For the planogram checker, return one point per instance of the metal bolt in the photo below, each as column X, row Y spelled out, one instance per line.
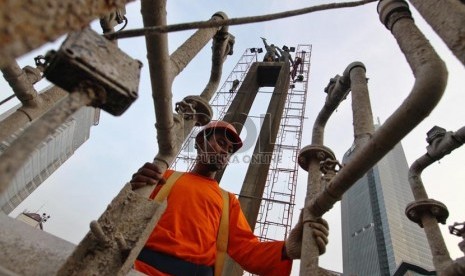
column 97, row 230
column 413, row 214
column 121, row 242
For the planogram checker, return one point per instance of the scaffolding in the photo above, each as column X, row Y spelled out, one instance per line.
column 275, row 217
column 277, row 207
column 220, row 104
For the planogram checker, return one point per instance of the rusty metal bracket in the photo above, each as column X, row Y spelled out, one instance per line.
column 314, row 151
column 195, row 108
column 415, row 210
column 86, row 55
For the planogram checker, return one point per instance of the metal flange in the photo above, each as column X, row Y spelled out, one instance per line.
column 195, row 108
column 310, row 152
column 415, row 210
column 392, row 10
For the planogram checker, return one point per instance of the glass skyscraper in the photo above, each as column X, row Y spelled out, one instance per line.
column 48, row 156
column 377, row 237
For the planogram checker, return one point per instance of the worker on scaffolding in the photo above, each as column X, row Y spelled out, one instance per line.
column 234, row 86
column 192, row 237
column 271, row 52
column 295, row 67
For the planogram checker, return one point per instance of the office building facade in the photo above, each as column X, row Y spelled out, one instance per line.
column 48, row 156
column 377, row 237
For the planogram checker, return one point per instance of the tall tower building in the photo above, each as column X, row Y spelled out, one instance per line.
column 377, row 237
column 47, row 157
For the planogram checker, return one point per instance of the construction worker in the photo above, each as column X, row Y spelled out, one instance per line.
column 187, row 239
column 295, row 66
column 234, row 86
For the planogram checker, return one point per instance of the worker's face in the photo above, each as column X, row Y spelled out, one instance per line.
column 215, row 151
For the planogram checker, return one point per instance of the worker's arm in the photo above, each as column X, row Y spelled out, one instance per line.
column 263, row 258
column 148, row 174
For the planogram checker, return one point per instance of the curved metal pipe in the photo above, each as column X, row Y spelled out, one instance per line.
column 337, row 90
column 353, row 79
column 438, row 148
column 361, row 106
column 430, row 81
column 189, row 49
column 223, row 43
column 447, row 18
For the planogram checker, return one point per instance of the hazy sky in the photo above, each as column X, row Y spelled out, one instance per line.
column 81, row 189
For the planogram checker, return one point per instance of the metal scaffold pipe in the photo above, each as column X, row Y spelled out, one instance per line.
column 428, row 212
column 311, row 158
column 430, row 81
column 154, row 13
column 447, row 18
column 222, row 46
column 361, row 106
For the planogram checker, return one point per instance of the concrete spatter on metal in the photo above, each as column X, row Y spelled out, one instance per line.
column 123, row 224
column 447, row 18
column 26, row 25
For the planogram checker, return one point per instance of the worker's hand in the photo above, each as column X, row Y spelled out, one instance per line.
column 294, row 241
column 149, row 174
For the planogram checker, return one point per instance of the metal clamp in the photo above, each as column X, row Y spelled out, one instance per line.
column 415, row 210
column 195, row 108
column 319, row 152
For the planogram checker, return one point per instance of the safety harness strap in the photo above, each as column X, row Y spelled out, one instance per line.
column 166, row 188
column 223, row 234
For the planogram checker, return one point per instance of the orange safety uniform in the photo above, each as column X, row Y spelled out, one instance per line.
column 189, row 226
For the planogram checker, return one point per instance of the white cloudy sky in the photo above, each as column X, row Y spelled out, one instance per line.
column 80, row 190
